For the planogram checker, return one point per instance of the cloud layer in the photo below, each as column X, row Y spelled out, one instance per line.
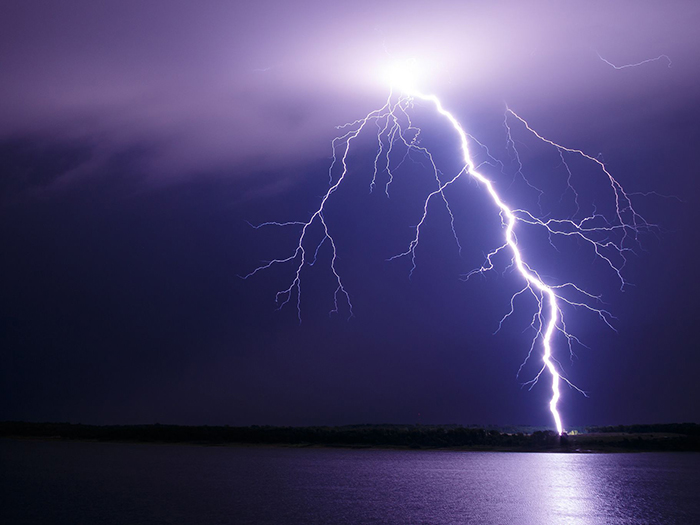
column 208, row 86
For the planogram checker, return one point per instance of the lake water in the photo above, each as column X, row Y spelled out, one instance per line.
column 104, row 483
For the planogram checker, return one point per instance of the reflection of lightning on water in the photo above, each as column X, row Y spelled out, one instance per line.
column 609, row 238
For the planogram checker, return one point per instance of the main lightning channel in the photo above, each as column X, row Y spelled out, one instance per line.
column 530, row 277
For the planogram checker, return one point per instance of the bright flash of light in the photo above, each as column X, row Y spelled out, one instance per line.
column 608, row 238
column 403, row 76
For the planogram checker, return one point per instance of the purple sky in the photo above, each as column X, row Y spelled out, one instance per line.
column 138, row 137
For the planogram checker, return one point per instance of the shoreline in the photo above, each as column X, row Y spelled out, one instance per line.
column 454, row 438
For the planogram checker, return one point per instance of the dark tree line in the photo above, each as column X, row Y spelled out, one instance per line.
column 675, row 437
column 686, row 429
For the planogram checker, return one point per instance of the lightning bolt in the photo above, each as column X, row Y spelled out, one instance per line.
column 635, row 64
column 609, row 238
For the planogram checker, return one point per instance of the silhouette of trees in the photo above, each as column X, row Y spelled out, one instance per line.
column 685, row 436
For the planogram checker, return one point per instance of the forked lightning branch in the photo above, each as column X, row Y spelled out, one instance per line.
column 608, row 238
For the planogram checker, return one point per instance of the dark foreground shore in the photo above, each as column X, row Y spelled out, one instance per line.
column 642, row 438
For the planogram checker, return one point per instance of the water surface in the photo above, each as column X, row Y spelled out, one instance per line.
column 106, row 483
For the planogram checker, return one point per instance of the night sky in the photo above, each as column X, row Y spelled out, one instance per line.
column 138, row 138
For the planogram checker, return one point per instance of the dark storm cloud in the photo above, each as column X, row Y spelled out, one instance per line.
column 208, row 84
